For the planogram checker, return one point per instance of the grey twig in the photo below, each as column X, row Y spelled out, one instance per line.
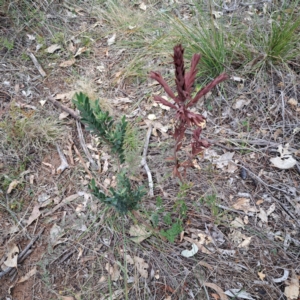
column 144, row 163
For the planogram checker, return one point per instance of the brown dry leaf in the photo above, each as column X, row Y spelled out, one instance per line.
column 198, row 244
column 293, row 102
column 80, row 51
column 291, row 291
column 68, row 63
column 138, row 233
column 217, row 289
column 35, row 214
column 277, row 133
column 12, row 186
column 261, row 275
column 141, row 266
column 114, row 271
column 12, row 256
column 244, row 205
column 215, row 296
column 28, row 275
column 259, row 202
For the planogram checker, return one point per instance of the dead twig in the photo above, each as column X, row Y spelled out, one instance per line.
column 144, row 163
column 24, row 252
column 84, row 147
column 37, row 64
column 70, row 111
column 64, row 164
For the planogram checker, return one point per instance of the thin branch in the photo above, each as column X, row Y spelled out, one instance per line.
column 37, row 64
column 144, row 163
column 84, row 147
column 70, row 111
column 64, row 163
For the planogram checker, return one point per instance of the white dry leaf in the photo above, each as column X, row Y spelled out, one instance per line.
column 53, row 48
column 223, row 160
column 12, row 256
column 143, row 6
column 42, row 102
column 190, row 253
column 80, row 51
column 271, row 209
column 237, row 223
column 217, row 14
column 131, row 27
column 67, row 63
column 141, row 266
column 152, row 117
column 63, row 115
column 31, row 37
column 285, row 160
column 12, row 186
column 28, row 275
column 111, row 40
column 239, row 294
column 68, row 95
column 129, row 259
column 238, row 79
column 138, row 233
column 163, row 106
column 245, row 243
column 211, row 155
column 291, row 291
column 240, row 103
column 286, row 163
column 55, row 233
column 101, row 68
column 263, row 215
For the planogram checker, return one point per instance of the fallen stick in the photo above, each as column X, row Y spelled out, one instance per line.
column 70, row 111
column 84, row 147
column 144, row 163
column 64, row 164
column 23, row 253
column 37, row 65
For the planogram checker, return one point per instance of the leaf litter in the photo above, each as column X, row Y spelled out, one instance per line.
column 224, row 218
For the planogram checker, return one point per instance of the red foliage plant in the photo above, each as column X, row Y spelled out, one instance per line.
column 183, row 100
